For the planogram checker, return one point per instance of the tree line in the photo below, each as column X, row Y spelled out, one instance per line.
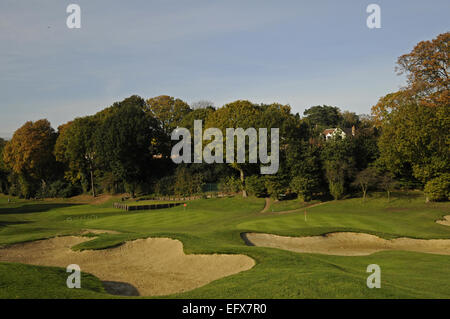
column 126, row 147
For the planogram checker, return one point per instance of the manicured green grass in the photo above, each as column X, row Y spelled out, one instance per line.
column 410, row 217
column 26, row 281
column 288, row 205
column 215, row 225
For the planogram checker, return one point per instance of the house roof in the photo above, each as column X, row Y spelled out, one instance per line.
column 329, row 131
column 347, row 131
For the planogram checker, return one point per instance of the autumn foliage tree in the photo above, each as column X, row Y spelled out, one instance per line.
column 4, row 171
column 415, row 121
column 30, row 155
column 427, row 70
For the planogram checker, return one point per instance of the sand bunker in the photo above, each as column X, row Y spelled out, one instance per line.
column 98, row 231
column 153, row 266
column 348, row 244
column 445, row 221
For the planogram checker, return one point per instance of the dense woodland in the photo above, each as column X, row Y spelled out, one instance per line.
column 403, row 144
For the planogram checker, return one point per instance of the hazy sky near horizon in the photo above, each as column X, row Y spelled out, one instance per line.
column 301, row 53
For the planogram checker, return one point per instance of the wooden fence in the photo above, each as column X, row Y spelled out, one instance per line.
column 185, row 198
column 180, row 201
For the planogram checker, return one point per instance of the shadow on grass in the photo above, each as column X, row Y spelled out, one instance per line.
column 120, row 288
column 5, row 223
column 32, row 208
column 247, row 241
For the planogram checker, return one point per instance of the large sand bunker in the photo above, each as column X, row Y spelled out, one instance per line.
column 153, row 266
column 445, row 221
column 348, row 244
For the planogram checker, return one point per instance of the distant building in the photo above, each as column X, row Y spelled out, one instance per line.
column 335, row 132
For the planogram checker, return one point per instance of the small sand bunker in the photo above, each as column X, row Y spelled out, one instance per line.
column 98, row 231
column 348, row 244
column 445, row 221
column 154, row 266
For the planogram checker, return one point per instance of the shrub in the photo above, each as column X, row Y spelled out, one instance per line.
column 255, row 185
column 336, row 189
column 275, row 186
column 438, row 189
column 230, row 184
column 187, row 183
column 165, row 186
column 108, row 183
column 57, row 188
column 303, row 187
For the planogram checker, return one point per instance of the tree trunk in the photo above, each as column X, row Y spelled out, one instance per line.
column 244, row 192
column 133, row 190
column 92, row 183
column 43, row 187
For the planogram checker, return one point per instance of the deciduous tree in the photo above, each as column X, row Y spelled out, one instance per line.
column 30, row 153
column 365, row 179
column 75, row 147
column 168, row 110
column 125, row 142
column 415, row 121
column 427, row 70
column 4, row 171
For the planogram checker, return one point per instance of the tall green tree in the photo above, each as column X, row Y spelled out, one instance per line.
column 168, row 110
column 126, row 142
column 339, row 165
column 244, row 114
column 237, row 114
column 303, row 161
column 413, row 138
column 170, row 113
column 323, row 116
column 75, row 147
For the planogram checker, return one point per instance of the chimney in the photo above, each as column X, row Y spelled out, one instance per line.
column 353, row 130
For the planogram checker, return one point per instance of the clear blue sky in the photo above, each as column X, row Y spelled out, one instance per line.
column 301, row 53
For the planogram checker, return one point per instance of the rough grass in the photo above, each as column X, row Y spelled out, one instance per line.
column 215, row 225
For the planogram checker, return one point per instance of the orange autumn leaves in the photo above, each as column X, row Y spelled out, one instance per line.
column 427, row 71
column 30, row 151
